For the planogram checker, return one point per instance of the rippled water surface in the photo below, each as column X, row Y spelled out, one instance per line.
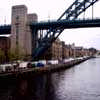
column 81, row 82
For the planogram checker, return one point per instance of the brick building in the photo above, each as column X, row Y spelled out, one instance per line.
column 80, row 52
column 59, row 50
column 66, row 50
column 54, row 52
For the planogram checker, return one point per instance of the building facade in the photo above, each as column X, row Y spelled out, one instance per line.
column 54, row 52
column 59, row 50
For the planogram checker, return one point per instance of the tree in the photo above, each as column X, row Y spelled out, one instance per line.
column 93, row 51
column 2, row 56
column 14, row 56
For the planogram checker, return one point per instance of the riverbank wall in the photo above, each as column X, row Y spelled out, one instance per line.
column 60, row 66
column 29, row 72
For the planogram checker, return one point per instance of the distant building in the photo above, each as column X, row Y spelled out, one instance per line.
column 78, row 51
column 59, row 50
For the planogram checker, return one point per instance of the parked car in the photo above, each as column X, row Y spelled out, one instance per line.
column 2, row 68
column 34, row 64
column 23, row 64
column 39, row 64
column 43, row 62
column 66, row 60
column 6, row 67
column 52, row 61
column 29, row 65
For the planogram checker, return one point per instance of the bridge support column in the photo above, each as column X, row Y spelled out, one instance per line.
column 18, row 29
column 21, row 34
column 34, row 39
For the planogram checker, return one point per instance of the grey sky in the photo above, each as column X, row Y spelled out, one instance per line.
column 52, row 9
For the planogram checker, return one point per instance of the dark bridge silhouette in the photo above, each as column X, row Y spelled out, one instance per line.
column 66, row 24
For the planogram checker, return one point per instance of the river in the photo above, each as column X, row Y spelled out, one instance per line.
column 81, row 82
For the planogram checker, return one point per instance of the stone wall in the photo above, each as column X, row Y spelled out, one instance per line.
column 21, row 34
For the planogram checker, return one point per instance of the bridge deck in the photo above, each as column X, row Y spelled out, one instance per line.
column 67, row 24
column 5, row 29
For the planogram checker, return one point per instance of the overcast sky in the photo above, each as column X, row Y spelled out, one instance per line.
column 52, row 9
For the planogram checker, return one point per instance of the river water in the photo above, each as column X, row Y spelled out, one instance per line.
column 81, row 82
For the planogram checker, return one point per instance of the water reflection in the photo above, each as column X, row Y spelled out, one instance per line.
column 80, row 82
column 38, row 87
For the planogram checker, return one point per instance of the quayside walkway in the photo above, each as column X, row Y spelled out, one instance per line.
column 40, row 70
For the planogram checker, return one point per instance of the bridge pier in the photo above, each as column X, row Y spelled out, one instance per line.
column 21, row 34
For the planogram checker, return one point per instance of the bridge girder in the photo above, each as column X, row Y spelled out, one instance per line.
column 78, row 7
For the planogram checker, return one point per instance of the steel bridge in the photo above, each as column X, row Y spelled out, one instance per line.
column 69, row 19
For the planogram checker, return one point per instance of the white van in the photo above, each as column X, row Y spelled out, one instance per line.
column 6, row 67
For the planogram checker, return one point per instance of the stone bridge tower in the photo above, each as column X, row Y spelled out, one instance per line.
column 21, row 34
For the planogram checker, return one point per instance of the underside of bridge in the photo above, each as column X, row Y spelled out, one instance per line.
column 5, row 29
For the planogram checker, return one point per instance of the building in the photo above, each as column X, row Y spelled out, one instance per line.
column 66, row 50
column 54, row 52
column 78, row 51
column 57, row 49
